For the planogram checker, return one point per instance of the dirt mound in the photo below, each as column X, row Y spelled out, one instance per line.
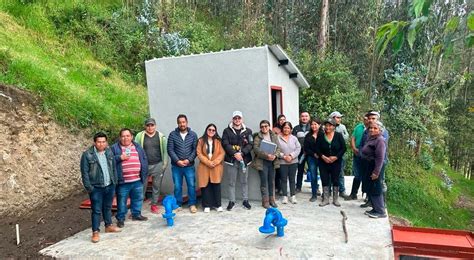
column 39, row 160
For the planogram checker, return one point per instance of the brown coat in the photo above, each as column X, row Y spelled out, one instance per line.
column 204, row 170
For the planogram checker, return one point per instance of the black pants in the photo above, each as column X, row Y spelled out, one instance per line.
column 299, row 175
column 211, row 195
column 369, row 186
column 330, row 173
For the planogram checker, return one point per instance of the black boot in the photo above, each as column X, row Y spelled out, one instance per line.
column 354, row 190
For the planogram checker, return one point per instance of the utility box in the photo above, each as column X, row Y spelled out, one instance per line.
column 262, row 82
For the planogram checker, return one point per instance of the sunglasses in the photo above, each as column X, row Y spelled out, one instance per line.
column 211, row 130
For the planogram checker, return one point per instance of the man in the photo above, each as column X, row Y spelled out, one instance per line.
column 99, row 179
column 372, row 117
column 340, row 128
column 356, row 163
column 181, row 147
column 132, row 169
column 154, row 143
column 237, row 141
column 300, row 132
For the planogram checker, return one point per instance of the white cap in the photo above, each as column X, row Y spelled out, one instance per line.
column 236, row 113
column 335, row 114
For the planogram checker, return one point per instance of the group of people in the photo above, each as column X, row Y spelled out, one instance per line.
column 279, row 154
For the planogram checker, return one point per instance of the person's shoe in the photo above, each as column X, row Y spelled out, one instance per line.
column 154, row 209
column 351, row 197
column 325, row 201
column 367, row 204
column 246, row 204
column 231, row 205
column 284, row 200
column 112, row 229
column 298, row 190
column 220, row 209
column 120, row 224
column 367, row 212
column 293, row 199
column 313, row 198
column 95, row 237
column 377, row 215
column 344, row 195
column 265, row 202
column 139, row 218
column 193, row 209
column 207, row 210
column 318, row 192
column 178, row 209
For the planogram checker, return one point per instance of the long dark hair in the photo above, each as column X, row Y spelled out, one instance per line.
column 277, row 123
column 316, row 120
column 204, row 137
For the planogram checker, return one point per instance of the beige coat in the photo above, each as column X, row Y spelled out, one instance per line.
column 204, row 170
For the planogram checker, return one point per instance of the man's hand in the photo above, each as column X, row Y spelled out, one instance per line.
column 356, row 151
column 238, row 156
column 212, row 164
column 180, row 163
column 186, row 162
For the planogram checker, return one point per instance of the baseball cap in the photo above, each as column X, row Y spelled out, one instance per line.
column 330, row 121
column 335, row 114
column 150, row 121
column 373, row 112
column 236, row 113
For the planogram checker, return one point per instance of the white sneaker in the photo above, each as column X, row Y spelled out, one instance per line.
column 207, row 210
column 284, row 200
column 293, row 199
column 220, row 209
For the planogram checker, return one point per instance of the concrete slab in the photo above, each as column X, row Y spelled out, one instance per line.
column 312, row 232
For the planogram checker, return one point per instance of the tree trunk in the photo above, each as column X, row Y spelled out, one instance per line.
column 323, row 28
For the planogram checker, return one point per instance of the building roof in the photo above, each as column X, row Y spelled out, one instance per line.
column 293, row 72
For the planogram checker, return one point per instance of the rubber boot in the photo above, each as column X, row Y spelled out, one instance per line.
column 354, row 190
column 335, row 197
column 325, row 201
column 265, row 202
column 272, row 202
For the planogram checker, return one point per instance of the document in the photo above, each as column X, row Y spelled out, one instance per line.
column 268, row 147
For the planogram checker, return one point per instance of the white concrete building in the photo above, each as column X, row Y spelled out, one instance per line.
column 262, row 82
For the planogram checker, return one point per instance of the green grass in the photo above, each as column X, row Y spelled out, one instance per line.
column 420, row 196
column 76, row 89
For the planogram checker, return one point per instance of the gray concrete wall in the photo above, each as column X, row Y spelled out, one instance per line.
column 277, row 76
column 207, row 88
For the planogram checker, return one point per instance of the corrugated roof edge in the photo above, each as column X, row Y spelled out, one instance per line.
column 276, row 50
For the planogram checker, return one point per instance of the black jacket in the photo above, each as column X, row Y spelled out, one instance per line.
column 234, row 143
column 300, row 132
column 91, row 171
column 337, row 147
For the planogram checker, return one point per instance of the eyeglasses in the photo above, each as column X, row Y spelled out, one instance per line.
column 264, row 126
column 237, row 118
column 211, row 130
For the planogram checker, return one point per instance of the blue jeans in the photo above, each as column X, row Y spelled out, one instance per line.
column 135, row 190
column 101, row 202
column 190, row 176
column 313, row 168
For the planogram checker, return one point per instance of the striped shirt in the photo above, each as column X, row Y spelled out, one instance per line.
column 131, row 167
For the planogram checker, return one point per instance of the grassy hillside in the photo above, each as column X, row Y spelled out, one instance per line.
column 76, row 89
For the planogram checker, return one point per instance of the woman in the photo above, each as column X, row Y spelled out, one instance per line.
column 290, row 149
column 210, row 169
column 265, row 162
column 277, row 130
column 372, row 155
column 330, row 147
column 310, row 150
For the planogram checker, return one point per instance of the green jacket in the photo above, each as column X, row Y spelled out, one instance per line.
column 163, row 144
column 257, row 162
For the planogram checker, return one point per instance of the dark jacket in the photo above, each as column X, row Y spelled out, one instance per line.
column 234, row 143
column 91, row 171
column 337, row 147
column 300, row 132
column 260, row 155
column 310, row 144
column 179, row 149
column 118, row 161
column 374, row 151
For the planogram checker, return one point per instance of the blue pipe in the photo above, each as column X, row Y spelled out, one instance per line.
column 273, row 218
column 170, row 204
